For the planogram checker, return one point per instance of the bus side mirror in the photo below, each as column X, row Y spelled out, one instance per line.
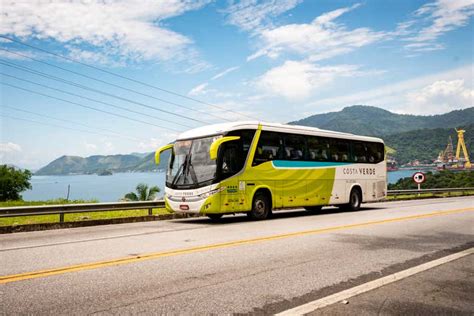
column 160, row 150
column 215, row 145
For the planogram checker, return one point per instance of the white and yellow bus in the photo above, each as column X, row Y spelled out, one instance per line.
column 254, row 168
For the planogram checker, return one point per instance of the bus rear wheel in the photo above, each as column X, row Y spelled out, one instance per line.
column 260, row 207
column 215, row 217
column 355, row 199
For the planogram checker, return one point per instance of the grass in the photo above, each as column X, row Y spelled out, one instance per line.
column 47, row 202
column 427, row 195
column 77, row 217
column 74, row 217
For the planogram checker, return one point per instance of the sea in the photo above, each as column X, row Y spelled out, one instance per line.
column 112, row 188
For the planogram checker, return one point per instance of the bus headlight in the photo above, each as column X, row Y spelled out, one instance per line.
column 212, row 192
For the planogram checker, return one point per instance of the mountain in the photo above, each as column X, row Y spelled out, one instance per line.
column 373, row 121
column 425, row 144
column 148, row 162
column 94, row 164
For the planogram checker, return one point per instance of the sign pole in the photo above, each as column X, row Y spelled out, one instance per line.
column 419, row 177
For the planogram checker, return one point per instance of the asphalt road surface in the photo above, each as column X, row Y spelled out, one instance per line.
column 194, row 266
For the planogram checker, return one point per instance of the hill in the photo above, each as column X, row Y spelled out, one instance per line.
column 94, row 164
column 373, row 121
column 425, row 144
column 148, row 163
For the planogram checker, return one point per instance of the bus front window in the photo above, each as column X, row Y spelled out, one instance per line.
column 190, row 164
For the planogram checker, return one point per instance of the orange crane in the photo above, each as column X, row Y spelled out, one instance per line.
column 462, row 144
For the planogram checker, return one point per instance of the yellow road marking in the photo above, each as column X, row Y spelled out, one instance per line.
column 156, row 255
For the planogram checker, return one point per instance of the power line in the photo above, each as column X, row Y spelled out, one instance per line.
column 72, row 122
column 54, row 125
column 90, row 99
column 115, row 85
column 39, row 73
column 88, row 107
column 124, row 77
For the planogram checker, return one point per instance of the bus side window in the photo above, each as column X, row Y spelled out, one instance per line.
column 318, row 148
column 294, row 147
column 359, row 152
column 233, row 154
column 343, row 150
column 230, row 159
column 268, row 148
column 375, row 152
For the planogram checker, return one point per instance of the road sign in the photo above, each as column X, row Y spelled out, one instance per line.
column 419, row 177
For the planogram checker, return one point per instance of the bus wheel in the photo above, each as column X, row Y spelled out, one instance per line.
column 313, row 209
column 215, row 217
column 260, row 207
column 355, row 199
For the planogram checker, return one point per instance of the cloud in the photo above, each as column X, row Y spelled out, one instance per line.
column 199, row 89
column 225, row 72
column 297, row 80
column 442, row 16
column 127, row 30
column 90, row 147
column 441, row 96
column 321, row 39
column 410, row 96
column 253, row 15
column 9, row 147
column 154, row 143
column 10, row 153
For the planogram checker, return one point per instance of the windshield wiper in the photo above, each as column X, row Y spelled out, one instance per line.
column 180, row 171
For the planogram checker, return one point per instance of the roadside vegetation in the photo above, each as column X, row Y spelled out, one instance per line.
column 143, row 193
column 47, row 202
column 442, row 179
column 12, row 182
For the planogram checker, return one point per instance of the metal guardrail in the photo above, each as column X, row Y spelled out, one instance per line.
column 414, row 191
column 79, row 208
column 140, row 205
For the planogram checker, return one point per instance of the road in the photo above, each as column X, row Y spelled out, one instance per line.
column 194, row 266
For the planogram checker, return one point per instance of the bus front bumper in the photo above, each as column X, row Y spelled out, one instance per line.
column 192, row 201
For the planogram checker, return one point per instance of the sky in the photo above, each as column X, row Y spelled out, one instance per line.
column 107, row 77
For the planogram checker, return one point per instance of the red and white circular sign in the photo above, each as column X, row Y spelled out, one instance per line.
column 419, row 177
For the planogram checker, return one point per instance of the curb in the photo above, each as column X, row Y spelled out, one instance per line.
column 96, row 222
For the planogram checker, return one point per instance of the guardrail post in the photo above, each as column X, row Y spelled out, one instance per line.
column 61, row 217
column 150, row 212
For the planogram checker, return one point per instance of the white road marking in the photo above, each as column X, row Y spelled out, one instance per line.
column 344, row 295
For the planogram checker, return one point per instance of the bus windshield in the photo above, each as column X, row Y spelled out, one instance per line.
column 190, row 164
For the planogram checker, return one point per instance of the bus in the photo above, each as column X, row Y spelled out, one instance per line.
column 256, row 167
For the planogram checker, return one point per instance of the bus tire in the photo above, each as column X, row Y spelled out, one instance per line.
column 355, row 199
column 261, row 208
column 214, row 217
column 313, row 209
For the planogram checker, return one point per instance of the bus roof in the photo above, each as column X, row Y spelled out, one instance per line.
column 216, row 129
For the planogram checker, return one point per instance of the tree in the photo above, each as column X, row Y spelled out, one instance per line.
column 142, row 193
column 13, row 182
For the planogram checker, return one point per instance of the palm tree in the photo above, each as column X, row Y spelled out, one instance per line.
column 142, row 193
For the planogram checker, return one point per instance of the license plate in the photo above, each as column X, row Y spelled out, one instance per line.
column 184, row 207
